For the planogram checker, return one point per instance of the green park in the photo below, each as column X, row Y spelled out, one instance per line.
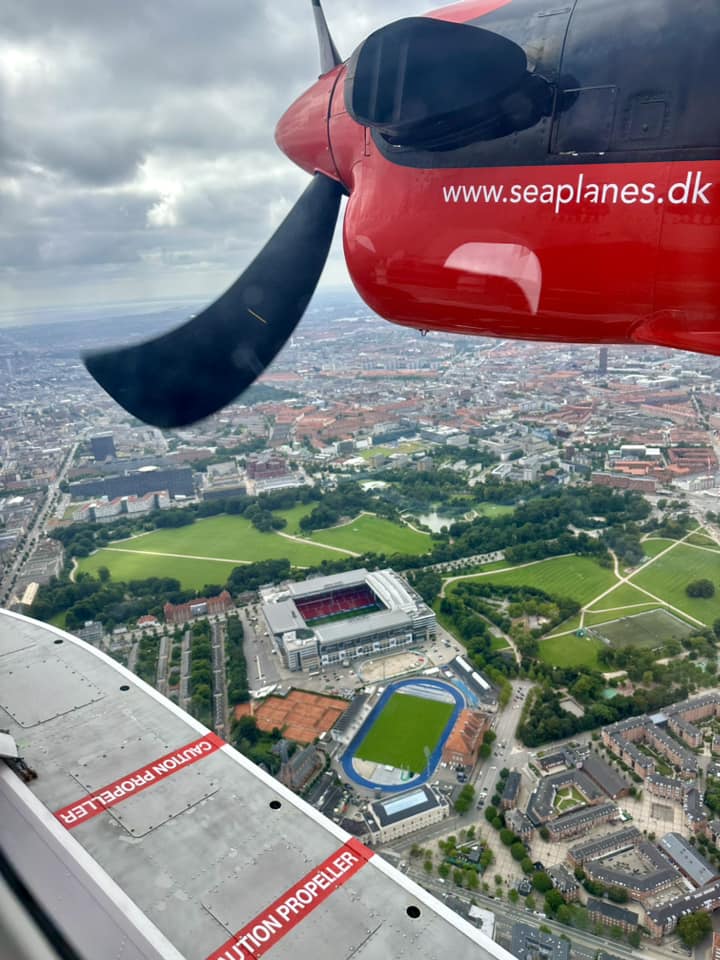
column 207, row 551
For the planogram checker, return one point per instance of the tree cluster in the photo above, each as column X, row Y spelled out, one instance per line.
column 235, row 663
column 694, row 927
column 465, row 799
column 700, row 588
column 256, row 744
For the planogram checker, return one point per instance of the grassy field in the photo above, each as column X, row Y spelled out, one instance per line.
column 408, row 448
column 702, row 540
column 579, row 578
column 571, row 651
column 208, row 549
column 485, row 509
column 367, row 534
column 624, row 595
column 647, row 629
column 498, row 643
column 593, row 619
column 192, row 574
column 655, row 546
column 293, row 516
column 405, row 727
column 668, row 577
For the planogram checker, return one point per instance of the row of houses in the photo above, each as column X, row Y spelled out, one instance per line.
column 625, row 738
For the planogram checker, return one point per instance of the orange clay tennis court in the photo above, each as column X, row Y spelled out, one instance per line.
column 301, row 716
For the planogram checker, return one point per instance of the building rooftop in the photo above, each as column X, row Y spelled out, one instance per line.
column 609, row 842
column 692, row 864
column 529, row 943
column 605, row 776
column 403, row 805
column 512, row 786
column 612, row 911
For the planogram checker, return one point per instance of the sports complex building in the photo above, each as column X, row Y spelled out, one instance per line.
column 326, row 621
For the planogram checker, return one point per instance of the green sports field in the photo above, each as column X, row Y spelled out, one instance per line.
column 369, row 534
column 592, row 619
column 405, row 727
column 648, row 629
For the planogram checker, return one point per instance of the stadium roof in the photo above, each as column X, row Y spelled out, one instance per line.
column 336, row 581
column 349, row 629
column 283, row 616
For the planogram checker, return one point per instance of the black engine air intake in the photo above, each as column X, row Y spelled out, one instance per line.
column 419, row 81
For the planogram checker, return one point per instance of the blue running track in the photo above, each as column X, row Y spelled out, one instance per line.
column 349, row 755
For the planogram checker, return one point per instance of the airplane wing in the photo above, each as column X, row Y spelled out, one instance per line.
column 145, row 835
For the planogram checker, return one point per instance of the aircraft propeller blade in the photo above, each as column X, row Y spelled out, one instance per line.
column 196, row 369
column 329, row 56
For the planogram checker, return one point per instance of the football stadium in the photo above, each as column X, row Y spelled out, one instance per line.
column 400, row 743
column 325, row 621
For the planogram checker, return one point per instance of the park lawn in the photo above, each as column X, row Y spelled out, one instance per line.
column 406, row 726
column 499, row 643
column 370, row 534
column 487, row 509
column 571, row 651
column 703, row 540
column 293, row 516
column 668, row 576
column 412, row 446
column 572, row 623
column 579, row 578
column 192, row 574
column 231, row 540
column 655, row 545
column 624, row 595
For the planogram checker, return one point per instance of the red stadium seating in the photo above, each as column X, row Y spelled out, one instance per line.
column 328, row 605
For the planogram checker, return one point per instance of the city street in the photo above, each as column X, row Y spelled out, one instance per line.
column 584, row 945
column 37, row 530
column 220, row 710
column 162, row 666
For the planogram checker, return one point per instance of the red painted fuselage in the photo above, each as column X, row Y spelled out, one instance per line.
column 597, row 219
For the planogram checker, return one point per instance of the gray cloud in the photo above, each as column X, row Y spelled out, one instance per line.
column 136, row 140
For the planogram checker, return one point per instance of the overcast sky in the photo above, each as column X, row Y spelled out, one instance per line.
column 137, row 159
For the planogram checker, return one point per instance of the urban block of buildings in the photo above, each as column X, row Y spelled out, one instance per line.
column 199, row 607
